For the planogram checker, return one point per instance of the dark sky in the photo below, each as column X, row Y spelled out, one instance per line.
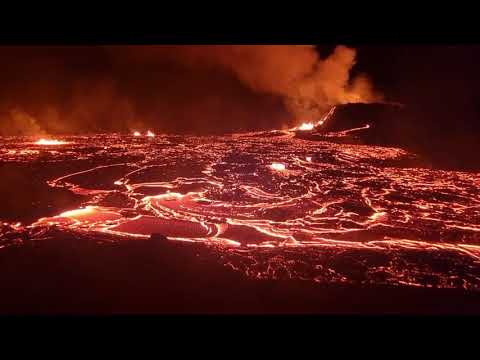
column 438, row 83
column 79, row 89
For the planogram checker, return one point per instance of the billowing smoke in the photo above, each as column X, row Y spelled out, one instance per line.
column 17, row 122
column 200, row 88
column 308, row 84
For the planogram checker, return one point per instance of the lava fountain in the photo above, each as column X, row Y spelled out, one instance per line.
column 306, row 127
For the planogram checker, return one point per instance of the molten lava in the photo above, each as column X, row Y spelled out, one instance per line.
column 306, row 127
column 271, row 207
column 278, row 166
column 49, row 142
column 309, row 126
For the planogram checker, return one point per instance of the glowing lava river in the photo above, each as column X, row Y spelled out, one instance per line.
column 268, row 205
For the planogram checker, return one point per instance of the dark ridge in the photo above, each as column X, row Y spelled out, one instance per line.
column 441, row 143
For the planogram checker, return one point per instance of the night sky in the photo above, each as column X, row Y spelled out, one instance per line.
column 439, row 86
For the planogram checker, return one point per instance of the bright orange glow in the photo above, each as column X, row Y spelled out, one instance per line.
column 83, row 216
column 311, row 126
column 50, row 142
column 306, row 127
column 89, row 210
column 136, row 133
column 278, row 166
column 150, row 134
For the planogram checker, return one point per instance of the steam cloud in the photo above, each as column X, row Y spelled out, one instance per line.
column 195, row 87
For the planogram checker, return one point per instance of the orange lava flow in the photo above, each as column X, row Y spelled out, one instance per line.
column 278, row 166
column 279, row 207
column 309, row 126
column 306, row 126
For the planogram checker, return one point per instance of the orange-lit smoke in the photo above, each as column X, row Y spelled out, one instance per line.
column 308, row 84
column 177, row 87
column 19, row 122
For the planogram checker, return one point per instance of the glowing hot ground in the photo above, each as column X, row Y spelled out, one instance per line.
column 272, row 207
column 50, row 142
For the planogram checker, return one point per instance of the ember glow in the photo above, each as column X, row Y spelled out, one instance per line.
column 137, row 133
column 50, row 142
column 340, row 213
column 150, row 134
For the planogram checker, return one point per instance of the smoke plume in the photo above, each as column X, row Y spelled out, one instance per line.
column 18, row 122
column 199, row 88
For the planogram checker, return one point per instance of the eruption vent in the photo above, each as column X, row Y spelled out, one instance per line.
column 306, row 127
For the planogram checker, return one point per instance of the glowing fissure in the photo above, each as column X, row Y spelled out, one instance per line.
column 347, row 132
